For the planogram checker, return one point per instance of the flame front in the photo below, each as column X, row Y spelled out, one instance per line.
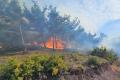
column 55, row 43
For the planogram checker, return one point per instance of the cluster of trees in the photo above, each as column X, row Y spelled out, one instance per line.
column 39, row 24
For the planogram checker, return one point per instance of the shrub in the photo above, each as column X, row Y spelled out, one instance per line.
column 100, row 52
column 10, row 71
column 38, row 67
column 112, row 57
column 35, row 68
column 103, row 52
column 93, row 61
column 54, row 66
column 26, row 69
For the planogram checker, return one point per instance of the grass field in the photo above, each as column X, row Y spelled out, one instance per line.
column 70, row 57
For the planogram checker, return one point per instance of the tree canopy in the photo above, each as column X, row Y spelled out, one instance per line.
column 42, row 23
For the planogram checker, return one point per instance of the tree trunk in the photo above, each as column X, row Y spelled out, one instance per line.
column 53, row 42
column 44, row 43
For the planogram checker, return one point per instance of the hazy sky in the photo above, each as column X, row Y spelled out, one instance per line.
column 95, row 15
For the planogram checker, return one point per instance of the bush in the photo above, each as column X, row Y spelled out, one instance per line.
column 26, row 69
column 54, row 66
column 35, row 68
column 102, row 52
column 10, row 71
column 93, row 61
column 111, row 57
column 38, row 67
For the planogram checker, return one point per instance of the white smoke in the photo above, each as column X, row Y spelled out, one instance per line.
column 112, row 43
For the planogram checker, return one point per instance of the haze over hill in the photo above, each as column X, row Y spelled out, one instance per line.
column 112, row 29
column 95, row 16
column 59, row 40
column 23, row 25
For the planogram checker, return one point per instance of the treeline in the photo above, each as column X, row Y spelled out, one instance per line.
column 38, row 25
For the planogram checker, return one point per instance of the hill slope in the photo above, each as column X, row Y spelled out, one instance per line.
column 77, row 65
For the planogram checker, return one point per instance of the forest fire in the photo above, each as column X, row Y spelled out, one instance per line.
column 55, row 43
column 51, row 43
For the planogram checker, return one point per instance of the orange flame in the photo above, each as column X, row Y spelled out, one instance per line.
column 55, row 43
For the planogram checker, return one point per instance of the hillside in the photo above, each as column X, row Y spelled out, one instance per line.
column 76, row 63
column 59, row 40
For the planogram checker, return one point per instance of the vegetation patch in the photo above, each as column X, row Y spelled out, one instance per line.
column 105, row 53
column 41, row 65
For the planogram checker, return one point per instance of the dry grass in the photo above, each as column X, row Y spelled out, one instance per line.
column 71, row 58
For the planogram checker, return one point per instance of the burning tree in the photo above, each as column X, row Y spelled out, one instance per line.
column 48, row 24
column 55, row 22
